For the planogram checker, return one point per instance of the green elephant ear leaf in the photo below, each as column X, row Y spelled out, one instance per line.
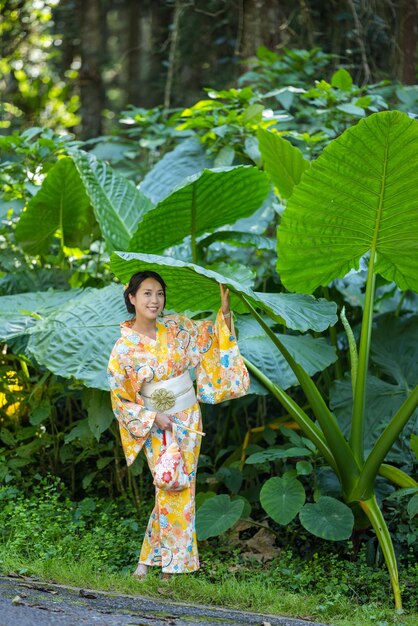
column 76, row 339
column 204, row 202
column 239, row 238
column 358, row 197
column 282, row 498
column 195, row 288
column 117, row 203
column 61, row 207
column 186, row 159
column 276, row 454
column 99, row 410
column 216, row 515
column 283, row 162
column 300, row 311
column 412, row 506
column 328, row 518
column 18, row 313
column 313, row 355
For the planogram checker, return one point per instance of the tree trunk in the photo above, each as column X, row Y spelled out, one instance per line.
column 144, row 40
column 139, row 31
column 409, row 40
column 261, row 25
column 92, row 93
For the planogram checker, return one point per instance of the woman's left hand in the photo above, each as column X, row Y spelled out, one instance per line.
column 224, row 299
column 225, row 305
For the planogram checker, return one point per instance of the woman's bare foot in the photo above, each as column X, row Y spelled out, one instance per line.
column 141, row 571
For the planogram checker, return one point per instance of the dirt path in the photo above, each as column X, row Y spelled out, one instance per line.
column 28, row 602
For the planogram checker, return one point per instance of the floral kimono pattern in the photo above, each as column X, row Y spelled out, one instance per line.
column 180, row 344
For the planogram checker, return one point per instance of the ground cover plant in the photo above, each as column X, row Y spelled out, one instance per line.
column 92, row 542
column 299, row 454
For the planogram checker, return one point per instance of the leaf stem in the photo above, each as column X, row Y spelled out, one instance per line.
column 359, row 400
column 253, row 523
column 193, row 225
column 397, row 476
column 373, row 512
column 384, row 444
column 352, row 348
column 333, row 337
column 348, row 469
column 298, row 414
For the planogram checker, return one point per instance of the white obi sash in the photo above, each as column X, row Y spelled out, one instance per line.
column 169, row 396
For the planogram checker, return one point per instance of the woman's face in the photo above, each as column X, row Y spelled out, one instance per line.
column 148, row 300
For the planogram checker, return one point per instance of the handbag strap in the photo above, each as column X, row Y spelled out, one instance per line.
column 173, row 434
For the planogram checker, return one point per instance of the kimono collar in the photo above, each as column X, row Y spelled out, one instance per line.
column 133, row 336
column 128, row 334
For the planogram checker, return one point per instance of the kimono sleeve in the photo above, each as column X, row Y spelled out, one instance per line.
column 134, row 419
column 221, row 373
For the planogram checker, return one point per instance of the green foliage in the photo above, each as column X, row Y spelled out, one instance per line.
column 26, row 158
column 51, row 536
column 100, row 415
column 226, row 124
column 311, row 115
column 60, row 205
column 282, row 498
column 283, row 163
column 32, row 88
column 383, row 146
column 16, row 320
column 117, row 203
column 200, row 287
column 392, row 374
column 48, row 525
column 216, row 515
column 322, row 111
column 146, row 135
column 313, row 354
column 290, row 67
column 197, row 207
column 83, row 357
column 187, row 159
column 328, row 518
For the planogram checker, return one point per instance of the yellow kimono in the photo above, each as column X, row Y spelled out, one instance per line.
column 180, row 344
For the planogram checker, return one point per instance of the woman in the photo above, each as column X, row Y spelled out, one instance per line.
column 153, row 399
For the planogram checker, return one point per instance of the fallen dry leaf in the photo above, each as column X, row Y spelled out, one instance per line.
column 41, row 588
column 234, row 533
column 264, row 543
column 87, row 594
column 17, row 600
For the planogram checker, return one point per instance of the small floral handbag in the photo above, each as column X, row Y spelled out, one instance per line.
column 170, row 471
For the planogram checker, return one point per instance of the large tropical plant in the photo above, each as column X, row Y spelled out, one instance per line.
column 357, row 200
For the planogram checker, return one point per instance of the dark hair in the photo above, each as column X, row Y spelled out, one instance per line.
column 135, row 283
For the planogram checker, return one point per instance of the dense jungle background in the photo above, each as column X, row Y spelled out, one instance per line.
column 179, row 135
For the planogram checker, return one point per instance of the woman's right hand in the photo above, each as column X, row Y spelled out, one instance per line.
column 163, row 421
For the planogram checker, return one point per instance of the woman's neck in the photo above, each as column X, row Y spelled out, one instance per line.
column 145, row 327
